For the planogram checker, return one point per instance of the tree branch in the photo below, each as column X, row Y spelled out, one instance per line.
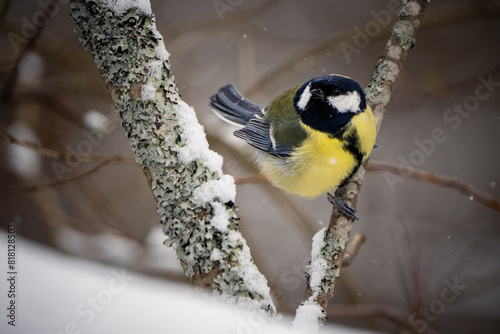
column 442, row 181
column 194, row 199
column 332, row 241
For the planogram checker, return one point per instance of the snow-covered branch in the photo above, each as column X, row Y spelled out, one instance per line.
column 194, row 198
column 329, row 244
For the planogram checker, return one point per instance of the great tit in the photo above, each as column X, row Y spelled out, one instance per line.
column 311, row 139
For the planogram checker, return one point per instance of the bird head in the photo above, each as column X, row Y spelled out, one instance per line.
column 327, row 103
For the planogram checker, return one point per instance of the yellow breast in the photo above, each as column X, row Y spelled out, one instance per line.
column 322, row 163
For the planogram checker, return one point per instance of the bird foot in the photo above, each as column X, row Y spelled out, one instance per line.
column 343, row 207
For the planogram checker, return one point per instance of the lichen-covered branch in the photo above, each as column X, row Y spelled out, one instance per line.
column 194, row 199
column 330, row 243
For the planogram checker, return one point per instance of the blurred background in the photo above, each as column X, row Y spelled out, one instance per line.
column 431, row 258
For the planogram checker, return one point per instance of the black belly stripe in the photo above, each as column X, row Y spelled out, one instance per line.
column 352, row 144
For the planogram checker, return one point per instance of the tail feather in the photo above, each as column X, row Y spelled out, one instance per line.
column 233, row 106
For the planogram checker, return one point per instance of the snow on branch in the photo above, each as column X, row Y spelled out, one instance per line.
column 329, row 244
column 194, row 199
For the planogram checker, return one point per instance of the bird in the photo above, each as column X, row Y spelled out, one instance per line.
column 310, row 139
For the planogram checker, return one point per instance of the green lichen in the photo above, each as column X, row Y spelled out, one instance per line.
column 375, row 87
column 124, row 47
column 330, row 252
column 406, row 39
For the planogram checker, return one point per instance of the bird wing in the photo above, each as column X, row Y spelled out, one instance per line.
column 258, row 134
column 278, row 130
column 275, row 130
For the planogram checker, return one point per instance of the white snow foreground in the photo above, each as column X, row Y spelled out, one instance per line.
column 62, row 294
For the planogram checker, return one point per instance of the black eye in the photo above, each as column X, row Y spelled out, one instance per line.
column 336, row 92
column 318, row 93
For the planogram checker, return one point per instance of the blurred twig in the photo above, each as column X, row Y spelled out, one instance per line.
column 3, row 10
column 114, row 219
column 439, row 180
column 12, row 76
column 53, row 103
column 352, row 249
column 103, row 162
column 259, row 178
column 64, row 155
column 39, row 187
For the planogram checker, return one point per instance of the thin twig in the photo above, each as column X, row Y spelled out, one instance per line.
column 259, row 178
column 352, row 249
column 39, row 187
column 439, row 180
column 48, row 152
column 111, row 216
column 51, row 102
column 13, row 75
column 3, row 10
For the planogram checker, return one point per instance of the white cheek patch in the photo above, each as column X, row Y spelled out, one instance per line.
column 304, row 97
column 345, row 103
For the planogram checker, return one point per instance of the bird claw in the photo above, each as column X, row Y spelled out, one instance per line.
column 343, row 207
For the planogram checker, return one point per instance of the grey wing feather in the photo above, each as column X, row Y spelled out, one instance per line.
column 257, row 134
column 231, row 105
